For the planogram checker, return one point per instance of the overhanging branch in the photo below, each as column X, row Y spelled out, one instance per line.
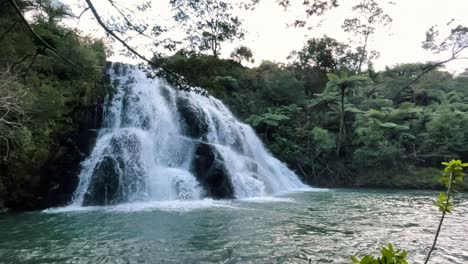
column 180, row 81
column 41, row 40
column 8, row 30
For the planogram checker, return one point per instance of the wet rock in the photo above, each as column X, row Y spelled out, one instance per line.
column 165, row 92
column 104, row 183
column 193, row 118
column 211, row 172
column 59, row 176
column 90, row 120
column 252, row 166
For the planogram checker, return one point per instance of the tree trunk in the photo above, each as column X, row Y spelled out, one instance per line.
column 340, row 135
column 363, row 53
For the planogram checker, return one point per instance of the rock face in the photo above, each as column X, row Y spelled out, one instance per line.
column 59, row 175
column 105, row 182
column 211, row 172
column 207, row 166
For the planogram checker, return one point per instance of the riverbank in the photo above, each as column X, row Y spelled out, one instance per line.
column 414, row 179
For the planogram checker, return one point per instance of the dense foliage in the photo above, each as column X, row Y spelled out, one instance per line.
column 42, row 95
column 350, row 129
column 335, row 120
column 326, row 113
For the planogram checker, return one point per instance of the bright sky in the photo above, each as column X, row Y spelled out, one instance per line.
column 270, row 38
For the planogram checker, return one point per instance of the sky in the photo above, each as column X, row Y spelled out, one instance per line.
column 270, row 38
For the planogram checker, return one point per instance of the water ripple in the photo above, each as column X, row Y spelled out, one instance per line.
column 327, row 227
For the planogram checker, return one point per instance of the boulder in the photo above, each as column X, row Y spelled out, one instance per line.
column 211, row 172
column 104, row 183
column 193, row 118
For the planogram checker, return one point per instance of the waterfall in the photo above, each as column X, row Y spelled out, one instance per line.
column 159, row 143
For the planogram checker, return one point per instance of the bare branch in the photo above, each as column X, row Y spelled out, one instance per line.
column 8, row 30
column 12, row 67
column 420, row 75
column 129, row 23
column 180, row 81
column 14, row 108
column 456, row 43
column 82, row 12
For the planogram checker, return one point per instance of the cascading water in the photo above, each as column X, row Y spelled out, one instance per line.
column 162, row 144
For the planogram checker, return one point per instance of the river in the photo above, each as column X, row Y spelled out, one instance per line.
column 327, row 226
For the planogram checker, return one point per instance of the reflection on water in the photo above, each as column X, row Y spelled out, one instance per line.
column 328, row 226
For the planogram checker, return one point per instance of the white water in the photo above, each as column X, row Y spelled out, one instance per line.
column 144, row 133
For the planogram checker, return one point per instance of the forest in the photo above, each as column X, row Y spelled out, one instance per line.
column 198, row 152
column 45, row 100
column 325, row 112
column 389, row 137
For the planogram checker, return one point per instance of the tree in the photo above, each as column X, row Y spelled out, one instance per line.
column 447, row 132
column 321, row 105
column 323, row 54
column 15, row 107
column 318, row 57
column 50, row 76
column 369, row 16
column 455, row 43
column 242, row 53
column 311, row 8
column 380, row 136
column 343, row 84
column 323, row 140
column 207, row 23
column 280, row 86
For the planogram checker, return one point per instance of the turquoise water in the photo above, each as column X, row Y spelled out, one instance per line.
column 326, row 226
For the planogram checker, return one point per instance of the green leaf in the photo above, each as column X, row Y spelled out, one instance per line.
column 271, row 122
column 276, row 117
column 393, row 126
column 256, row 122
column 408, row 135
column 354, row 110
column 332, row 77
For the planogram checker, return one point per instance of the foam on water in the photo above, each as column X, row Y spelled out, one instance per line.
column 174, row 205
column 170, row 205
column 267, row 199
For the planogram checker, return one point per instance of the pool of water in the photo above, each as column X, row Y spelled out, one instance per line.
column 327, row 226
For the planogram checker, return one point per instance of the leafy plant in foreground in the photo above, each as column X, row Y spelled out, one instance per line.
column 453, row 174
column 389, row 256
